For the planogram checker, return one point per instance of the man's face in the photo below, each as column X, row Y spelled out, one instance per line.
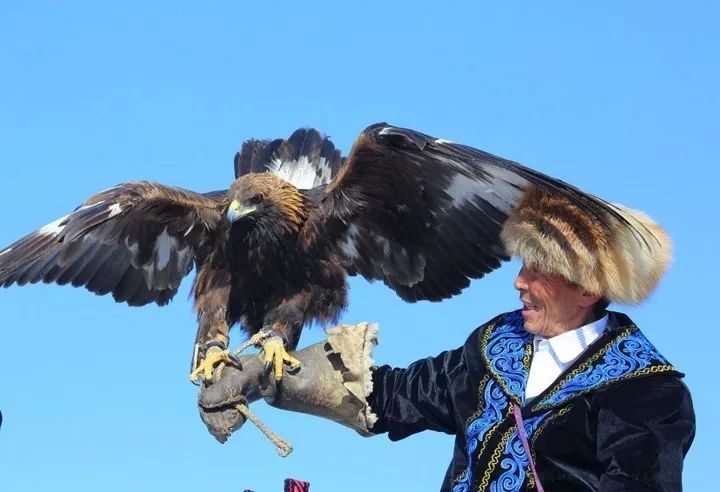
column 551, row 304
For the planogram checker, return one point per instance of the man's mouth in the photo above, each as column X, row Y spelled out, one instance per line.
column 528, row 306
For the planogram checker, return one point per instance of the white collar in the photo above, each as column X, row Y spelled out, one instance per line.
column 569, row 345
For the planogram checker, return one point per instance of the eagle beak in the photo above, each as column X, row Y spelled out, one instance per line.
column 236, row 211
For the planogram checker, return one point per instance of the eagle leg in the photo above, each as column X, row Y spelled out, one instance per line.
column 215, row 356
column 275, row 355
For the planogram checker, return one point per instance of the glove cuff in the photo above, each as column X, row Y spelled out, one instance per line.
column 354, row 346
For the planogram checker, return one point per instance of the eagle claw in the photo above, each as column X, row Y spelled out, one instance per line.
column 275, row 357
column 215, row 356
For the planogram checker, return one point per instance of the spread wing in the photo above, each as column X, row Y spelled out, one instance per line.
column 424, row 215
column 306, row 159
column 136, row 241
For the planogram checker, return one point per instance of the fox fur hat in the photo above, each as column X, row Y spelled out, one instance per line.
column 621, row 253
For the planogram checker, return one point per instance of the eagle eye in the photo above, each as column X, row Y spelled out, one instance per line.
column 255, row 199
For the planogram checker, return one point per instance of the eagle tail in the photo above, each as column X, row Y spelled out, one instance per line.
column 306, row 159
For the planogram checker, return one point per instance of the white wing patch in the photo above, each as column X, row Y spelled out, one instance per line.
column 164, row 244
column 505, row 190
column 302, row 173
column 348, row 246
column 6, row 251
column 324, row 172
column 168, row 262
column 502, row 190
column 114, row 209
column 55, row 227
column 461, row 189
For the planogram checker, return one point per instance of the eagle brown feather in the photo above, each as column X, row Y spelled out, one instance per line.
column 421, row 214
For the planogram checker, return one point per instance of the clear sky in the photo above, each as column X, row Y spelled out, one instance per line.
column 619, row 98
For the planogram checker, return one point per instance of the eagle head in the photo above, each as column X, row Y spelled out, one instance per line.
column 267, row 202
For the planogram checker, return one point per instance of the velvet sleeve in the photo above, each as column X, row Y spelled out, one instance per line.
column 426, row 394
column 645, row 428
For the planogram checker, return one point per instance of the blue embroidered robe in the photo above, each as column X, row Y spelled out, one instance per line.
column 619, row 418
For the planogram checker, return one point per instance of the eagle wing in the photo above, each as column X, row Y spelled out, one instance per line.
column 136, row 241
column 424, row 215
column 306, row 159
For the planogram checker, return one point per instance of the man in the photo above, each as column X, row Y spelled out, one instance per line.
column 603, row 409
column 580, row 388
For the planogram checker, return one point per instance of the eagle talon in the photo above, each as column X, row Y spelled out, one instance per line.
column 275, row 357
column 215, row 356
column 266, row 374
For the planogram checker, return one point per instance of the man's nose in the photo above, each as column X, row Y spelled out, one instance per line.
column 520, row 281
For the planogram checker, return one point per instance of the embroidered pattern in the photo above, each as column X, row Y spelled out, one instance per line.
column 515, row 459
column 494, row 458
column 477, row 431
column 506, row 350
column 505, row 347
column 629, row 355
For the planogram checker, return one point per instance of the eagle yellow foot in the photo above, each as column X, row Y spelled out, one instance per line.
column 214, row 356
column 275, row 356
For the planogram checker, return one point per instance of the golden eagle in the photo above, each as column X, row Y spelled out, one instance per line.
column 272, row 252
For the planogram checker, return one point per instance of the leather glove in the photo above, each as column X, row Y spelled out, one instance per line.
column 333, row 381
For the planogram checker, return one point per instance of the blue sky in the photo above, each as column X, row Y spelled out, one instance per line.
column 619, row 98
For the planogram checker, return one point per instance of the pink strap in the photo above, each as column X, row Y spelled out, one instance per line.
column 523, row 437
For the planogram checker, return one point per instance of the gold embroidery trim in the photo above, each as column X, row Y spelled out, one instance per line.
column 481, row 400
column 530, row 477
column 527, row 358
column 487, row 437
column 491, row 431
column 481, row 408
column 460, row 477
column 495, row 458
column 588, row 362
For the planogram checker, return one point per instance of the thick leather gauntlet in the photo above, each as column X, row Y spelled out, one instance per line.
column 217, row 402
column 333, row 381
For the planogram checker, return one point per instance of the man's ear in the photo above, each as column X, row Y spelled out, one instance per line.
column 587, row 299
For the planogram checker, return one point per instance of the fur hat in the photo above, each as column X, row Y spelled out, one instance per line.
column 619, row 253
